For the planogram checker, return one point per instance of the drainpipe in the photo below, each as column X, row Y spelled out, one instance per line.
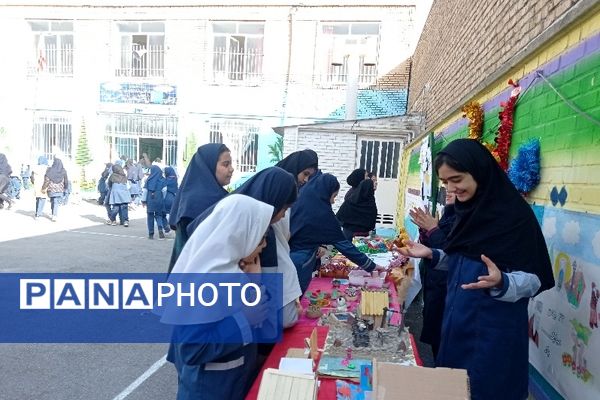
column 352, row 88
column 289, row 65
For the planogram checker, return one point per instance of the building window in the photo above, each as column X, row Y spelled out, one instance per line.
column 241, row 137
column 142, row 49
column 380, row 157
column 51, row 134
column 237, row 51
column 52, row 48
column 340, row 44
column 131, row 135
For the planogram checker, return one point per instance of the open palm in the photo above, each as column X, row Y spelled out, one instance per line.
column 415, row 250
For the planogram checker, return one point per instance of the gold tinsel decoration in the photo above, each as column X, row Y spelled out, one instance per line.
column 474, row 113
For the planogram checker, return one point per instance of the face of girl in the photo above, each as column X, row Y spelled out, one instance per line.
column 374, row 179
column 333, row 196
column 279, row 214
column 224, row 169
column 461, row 184
column 303, row 176
column 251, row 258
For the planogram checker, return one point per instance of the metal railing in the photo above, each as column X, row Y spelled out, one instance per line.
column 237, row 65
column 337, row 73
column 241, row 138
column 141, row 61
column 54, row 60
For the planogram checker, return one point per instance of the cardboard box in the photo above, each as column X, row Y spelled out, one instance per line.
column 398, row 382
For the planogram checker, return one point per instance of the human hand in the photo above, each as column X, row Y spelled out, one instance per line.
column 415, row 250
column 250, row 266
column 423, row 219
column 321, row 252
column 492, row 280
column 380, row 268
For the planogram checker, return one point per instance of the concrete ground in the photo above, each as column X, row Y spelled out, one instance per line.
column 80, row 241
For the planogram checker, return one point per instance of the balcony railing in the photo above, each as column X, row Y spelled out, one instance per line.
column 237, row 66
column 141, row 61
column 337, row 73
column 53, row 60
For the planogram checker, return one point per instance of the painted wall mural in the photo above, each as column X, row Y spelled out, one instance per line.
column 563, row 322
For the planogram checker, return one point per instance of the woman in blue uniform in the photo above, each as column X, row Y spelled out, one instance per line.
column 496, row 259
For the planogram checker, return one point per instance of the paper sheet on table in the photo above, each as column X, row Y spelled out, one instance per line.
column 297, row 365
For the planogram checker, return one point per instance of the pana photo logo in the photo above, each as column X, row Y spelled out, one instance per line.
column 129, row 294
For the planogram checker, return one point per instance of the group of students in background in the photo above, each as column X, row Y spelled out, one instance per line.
column 483, row 261
column 49, row 182
column 127, row 184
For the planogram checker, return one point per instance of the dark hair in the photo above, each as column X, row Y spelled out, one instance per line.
column 450, row 161
column 224, row 149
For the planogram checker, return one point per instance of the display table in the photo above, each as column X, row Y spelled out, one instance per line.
column 294, row 338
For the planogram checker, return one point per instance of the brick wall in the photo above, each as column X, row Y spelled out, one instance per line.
column 397, row 78
column 462, row 44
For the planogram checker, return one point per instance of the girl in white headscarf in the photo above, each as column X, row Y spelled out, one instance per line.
column 220, row 360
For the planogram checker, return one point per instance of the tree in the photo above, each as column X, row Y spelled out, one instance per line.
column 83, row 157
column 276, row 150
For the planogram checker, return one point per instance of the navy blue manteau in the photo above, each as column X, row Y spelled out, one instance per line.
column 155, row 201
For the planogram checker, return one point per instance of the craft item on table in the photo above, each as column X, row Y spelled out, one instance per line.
column 310, row 343
column 402, row 278
column 342, row 316
column 348, row 391
column 276, row 384
column 335, row 294
column 395, row 347
column 370, row 245
column 337, row 267
column 297, row 365
column 346, row 362
column 361, row 277
column 373, row 303
column 366, row 378
column 341, row 305
column 322, row 303
column 297, row 353
column 401, row 240
column 332, row 366
column 351, row 293
column 360, row 333
column 313, row 311
column 341, row 281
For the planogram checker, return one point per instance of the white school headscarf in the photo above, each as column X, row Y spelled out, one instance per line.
column 231, row 232
column 285, row 265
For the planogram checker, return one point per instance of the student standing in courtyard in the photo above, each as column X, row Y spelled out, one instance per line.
column 202, row 186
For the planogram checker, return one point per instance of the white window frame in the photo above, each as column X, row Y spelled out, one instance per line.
column 231, row 65
column 137, row 57
column 52, row 133
column 51, row 58
column 338, row 44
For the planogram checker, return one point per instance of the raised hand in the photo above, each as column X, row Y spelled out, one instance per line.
column 415, row 250
column 492, row 280
column 423, row 219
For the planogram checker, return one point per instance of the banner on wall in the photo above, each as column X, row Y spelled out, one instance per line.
column 418, row 194
column 564, row 337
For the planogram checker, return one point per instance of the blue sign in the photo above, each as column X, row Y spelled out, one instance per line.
column 138, row 93
column 140, row 308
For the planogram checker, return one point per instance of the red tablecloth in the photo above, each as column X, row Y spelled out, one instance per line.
column 294, row 338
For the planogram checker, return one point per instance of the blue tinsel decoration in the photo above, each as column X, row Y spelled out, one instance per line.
column 524, row 170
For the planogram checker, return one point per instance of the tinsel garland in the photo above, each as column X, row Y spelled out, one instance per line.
column 524, row 171
column 474, row 113
column 504, row 134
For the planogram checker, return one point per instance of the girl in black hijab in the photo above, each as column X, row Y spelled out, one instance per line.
column 358, row 213
column 5, row 173
column 497, row 259
column 302, row 164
